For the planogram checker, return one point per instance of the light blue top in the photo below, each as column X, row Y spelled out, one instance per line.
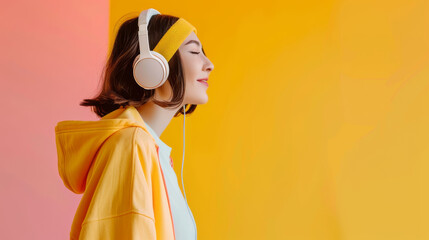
column 184, row 223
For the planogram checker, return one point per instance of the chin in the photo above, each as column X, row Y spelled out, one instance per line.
column 204, row 100
column 200, row 100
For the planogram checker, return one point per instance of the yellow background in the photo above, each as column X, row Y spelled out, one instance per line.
column 317, row 120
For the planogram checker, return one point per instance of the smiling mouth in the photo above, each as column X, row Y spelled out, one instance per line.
column 203, row 82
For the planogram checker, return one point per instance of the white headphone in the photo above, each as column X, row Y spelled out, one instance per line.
column 150, row 69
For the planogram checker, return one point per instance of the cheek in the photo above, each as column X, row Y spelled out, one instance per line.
column 191, row 70
column 191, row 73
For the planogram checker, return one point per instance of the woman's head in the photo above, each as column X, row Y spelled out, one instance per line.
column 186, row 66
column 195, row 65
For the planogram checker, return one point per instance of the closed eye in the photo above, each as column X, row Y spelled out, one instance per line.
column 195, row 52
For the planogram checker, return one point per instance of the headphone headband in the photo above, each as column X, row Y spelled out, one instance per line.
column 146, row 15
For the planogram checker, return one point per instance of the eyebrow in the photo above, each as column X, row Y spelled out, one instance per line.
column 192, row 41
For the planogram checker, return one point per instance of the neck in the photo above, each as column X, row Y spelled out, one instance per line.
column 156, row 116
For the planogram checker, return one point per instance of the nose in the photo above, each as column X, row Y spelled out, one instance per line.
column 209, row 65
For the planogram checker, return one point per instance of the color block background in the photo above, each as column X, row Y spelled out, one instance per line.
column 316, row 125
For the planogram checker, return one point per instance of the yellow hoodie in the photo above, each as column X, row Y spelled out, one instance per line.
column 114, row 162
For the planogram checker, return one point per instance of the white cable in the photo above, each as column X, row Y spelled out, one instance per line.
column 183, row 186
column 184, row 117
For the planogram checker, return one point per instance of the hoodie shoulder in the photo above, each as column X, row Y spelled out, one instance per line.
column 135, row 134
column 135, row 145
column 135, row 137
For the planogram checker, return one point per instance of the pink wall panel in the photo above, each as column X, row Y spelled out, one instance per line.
column 52, row 53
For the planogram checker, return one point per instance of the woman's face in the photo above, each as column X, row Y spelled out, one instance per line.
column 195, row 65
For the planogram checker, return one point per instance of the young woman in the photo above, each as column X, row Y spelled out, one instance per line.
column 119, row 163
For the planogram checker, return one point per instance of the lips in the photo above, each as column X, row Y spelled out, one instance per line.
column 203, row 81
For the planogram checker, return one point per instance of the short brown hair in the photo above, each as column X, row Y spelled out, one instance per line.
column 119, row 87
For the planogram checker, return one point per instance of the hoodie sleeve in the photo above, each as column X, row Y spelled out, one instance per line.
column 122, row 203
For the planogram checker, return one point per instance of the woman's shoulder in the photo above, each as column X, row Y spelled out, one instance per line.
column 133, row 136
column 131, row 143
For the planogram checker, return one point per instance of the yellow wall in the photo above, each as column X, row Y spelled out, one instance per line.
column 317, row 120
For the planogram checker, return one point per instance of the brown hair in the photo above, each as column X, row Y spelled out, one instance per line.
column 119, row 87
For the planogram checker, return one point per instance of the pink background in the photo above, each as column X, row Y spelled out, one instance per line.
column 51, row 58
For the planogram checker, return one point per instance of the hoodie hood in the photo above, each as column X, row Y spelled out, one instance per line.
column 79, row 141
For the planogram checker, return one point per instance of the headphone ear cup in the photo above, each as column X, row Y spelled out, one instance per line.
column 164, row 62
column 134, row 63
column 149, row 71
